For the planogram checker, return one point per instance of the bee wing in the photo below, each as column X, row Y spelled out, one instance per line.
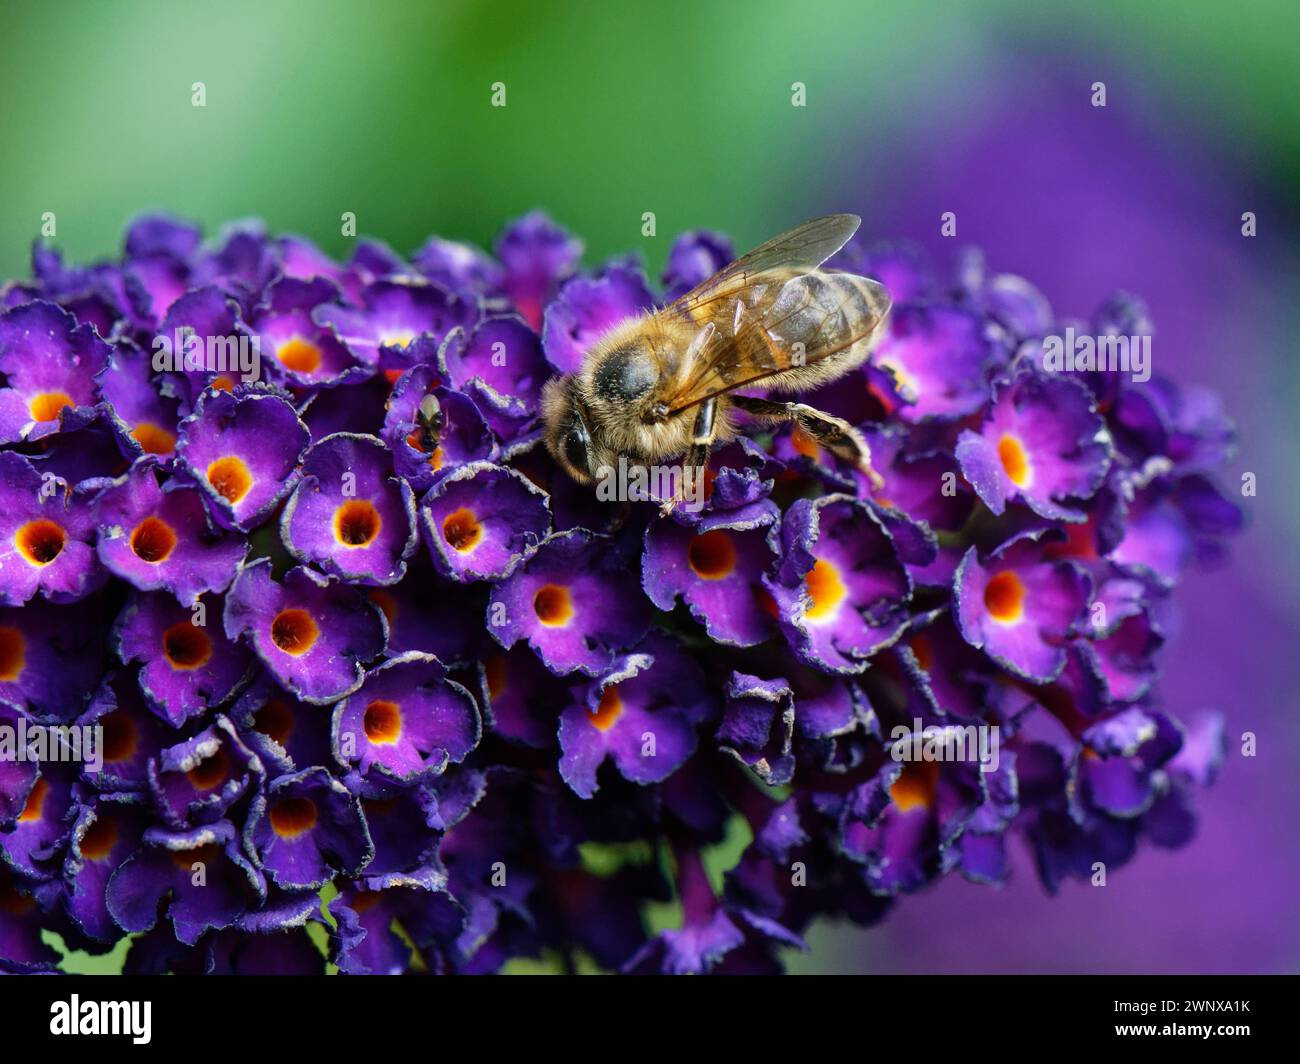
column 805, row 247
column 778, row 321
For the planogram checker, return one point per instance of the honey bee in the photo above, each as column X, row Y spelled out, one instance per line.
column 665, row 384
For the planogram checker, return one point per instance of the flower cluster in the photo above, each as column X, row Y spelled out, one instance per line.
column 375, row 684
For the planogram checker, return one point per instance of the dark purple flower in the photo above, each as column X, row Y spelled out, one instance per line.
column 574, row 601
column 198, row 877
column 349, row 514
column 480, row 519
column 186, row 667
column 312, row 632
column 839, row 586
column 1019, row 607
column 394, row 316
column 243, row 450
column 305, row 829
column 46, row 537
column 406, row 720
column 536, row 255
column 49, row 363
column 587, row 308
column 159, row 537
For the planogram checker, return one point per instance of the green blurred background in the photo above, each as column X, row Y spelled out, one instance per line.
column 684, row 109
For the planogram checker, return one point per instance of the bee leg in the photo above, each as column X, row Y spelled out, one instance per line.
column 833, row 433
column 697, row 458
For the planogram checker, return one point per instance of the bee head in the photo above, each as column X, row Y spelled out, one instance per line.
column 567, row 436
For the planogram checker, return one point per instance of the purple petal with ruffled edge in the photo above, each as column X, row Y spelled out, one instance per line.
column 349, row 514
column 307, row 828
column 1041, row 442
column 243, row 450
column 311, row 631
column 840, row 588
column 406, row 720
column 46, row 537
column 186, row 668
column 586, row 309
column 159, row 537
column 480, row 519
column 1019, row 607
column 574, row 600
column 49, row 363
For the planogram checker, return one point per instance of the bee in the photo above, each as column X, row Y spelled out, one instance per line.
column 429, row 421
column 666, row 384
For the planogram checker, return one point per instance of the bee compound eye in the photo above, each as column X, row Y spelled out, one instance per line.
column 575, row 448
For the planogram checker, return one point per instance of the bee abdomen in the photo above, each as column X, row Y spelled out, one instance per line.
column 826, row 312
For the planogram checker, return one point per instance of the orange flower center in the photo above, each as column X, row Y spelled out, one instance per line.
column 294, row 631
column 210, row 772
column 120, row 735
column 553, row 605
column 35, row 802
column 46, row 406
column 712, row 555
column 462, row 530
column 386, row 602
column 153, row 540
column 383, row 722
column 356, row 523
column 494, row 672
column 291, row 817
column 826, row 590
column 1004, row 598
column 186, row 646
column 299, row 355
column 154, row 438
column 13, row 653
column 40, row 541
column 1014, row 460
column 915, row 787
column 231, row 477
column 608, row 710
column 99, row 839
column 274, row 721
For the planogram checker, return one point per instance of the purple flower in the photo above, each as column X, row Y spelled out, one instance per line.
column 46, row 537
column 312, row 632
column 300, row 352
column 585, row 309
column 481, row 519
column 406, row 720
column 349, row 514
column 432, row 428
column 243, row 450
column 1041, row 442
column 1019, row 607
column 536, row 255
column 159, row 537
column 306, row 828
column 642, row 715
column 394, row 316
column 50, row 363
column 839, row 588
column 717, row 568
column 186, row 668
column 199, row 877
column 574, row 601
